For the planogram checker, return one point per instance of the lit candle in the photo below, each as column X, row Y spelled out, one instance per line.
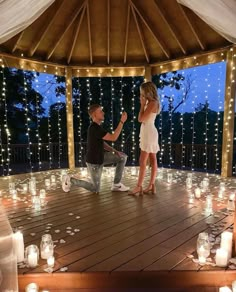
column 14, row 194
column 46, row 252
column 221, row 257
column 133, row 171
column 225, row 289
column 201, row 255
column 226, row 242
column 234, row 286
column 32, row 259
column 18, row 244
column 198, row 193
column 51, row 261
column 47, row 182
column 53, row 178
column 169, row 178
column 32, row 287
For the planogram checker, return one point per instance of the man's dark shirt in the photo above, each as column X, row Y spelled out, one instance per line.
column 95, row 144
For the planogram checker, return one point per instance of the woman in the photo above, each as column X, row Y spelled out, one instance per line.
column 150, row 108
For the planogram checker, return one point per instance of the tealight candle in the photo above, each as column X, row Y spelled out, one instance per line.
column 47, row 182
column 198, row 193
column 169, row 178
column 51, row 261
column 221, row 257
column 32, row 287
column 53, row 179
column 32, row 259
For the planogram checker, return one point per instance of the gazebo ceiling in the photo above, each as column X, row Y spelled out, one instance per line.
column 114, row 33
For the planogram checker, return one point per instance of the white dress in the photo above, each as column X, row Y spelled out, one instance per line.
column 149, row 135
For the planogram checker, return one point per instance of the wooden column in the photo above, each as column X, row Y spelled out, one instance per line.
column 69, row 119
column 148, row 73
column 228, row 127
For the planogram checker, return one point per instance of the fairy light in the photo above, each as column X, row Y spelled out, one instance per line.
column 5, row 151
column 194, row 100
column 121, row 110
column 38, row 125
column 27, row 121
column 133, row 123
column 206, row 119
column 88, row 91
column 100, row 89
column 59, row 127
column 79, row 130
column 49, row 146
column 160, row 130
column 170, row 117
column 182, row 126
column 218, row 120
column 112, row 112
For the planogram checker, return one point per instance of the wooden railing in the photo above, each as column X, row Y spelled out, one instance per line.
column 50, row 158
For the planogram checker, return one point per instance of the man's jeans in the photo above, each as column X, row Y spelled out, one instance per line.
column 95, row 171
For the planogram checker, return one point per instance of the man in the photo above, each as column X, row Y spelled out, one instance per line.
column 96, row 157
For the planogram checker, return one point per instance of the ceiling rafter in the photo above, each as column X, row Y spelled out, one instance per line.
column 159, row 41
column 60, row 37
column 89, row 34
column 44, row 31
column 108, row 31
column 140, row 34
column 76, row 35
column 127, row 32
column 17, row 41
column 192, row 27
column 171, row 27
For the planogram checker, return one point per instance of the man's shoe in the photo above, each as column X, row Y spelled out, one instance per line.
column 66, row 184
column 119, row 188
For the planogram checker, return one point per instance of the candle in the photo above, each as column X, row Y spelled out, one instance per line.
column 47, row 182
column 133, row 171
column 14, row 194
column 201, row 255
column 32, row 259
column 226, row 242
column 198, row 193
column 169, row 177
column 234, row 286
column 221, row 257
column 53, row 179
column 51, row 261
column 32, row 287
column 225, row 289
column 18, row 245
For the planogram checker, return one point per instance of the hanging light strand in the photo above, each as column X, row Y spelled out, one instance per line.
column 38, row 119
column 3, row 101
column 133, row 124
column 79, row 131
column 121, row 111
column 112, row 112
column 182, row 126
column 27, row 121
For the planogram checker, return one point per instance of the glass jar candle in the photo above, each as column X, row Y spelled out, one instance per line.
column 32, row 255
column 46, row 246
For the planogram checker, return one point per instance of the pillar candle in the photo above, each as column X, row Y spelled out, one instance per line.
column 225, row 289
column 32, row 287
column 198, row 193
column 51, row 261
column 221, row 257
column 226, row 242
column 18, row 245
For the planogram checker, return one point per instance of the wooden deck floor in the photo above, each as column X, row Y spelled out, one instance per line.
column 112, row 232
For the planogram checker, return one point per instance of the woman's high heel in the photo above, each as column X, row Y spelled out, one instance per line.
column 150, row 190
column 136, row 191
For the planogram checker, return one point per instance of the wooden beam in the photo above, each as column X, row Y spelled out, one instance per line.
column 108, row 31
column 127, row 32
column 127, row 280
column 140, row 34
column 89, row 35
column 17, row 41
column 60, row 36
column 38, row 38
column 158, row 40
column 76, row 35
column 192, row 27
column 171, row 28
column 69, row 119
column 229, row 109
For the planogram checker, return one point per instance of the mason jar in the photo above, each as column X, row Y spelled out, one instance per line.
column 46, row 246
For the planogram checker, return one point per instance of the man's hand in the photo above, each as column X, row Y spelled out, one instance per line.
column 123, row 117
column 120, row 154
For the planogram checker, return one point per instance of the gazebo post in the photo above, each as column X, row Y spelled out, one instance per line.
column 69, row 119
column 148, row 73
column 228, row 126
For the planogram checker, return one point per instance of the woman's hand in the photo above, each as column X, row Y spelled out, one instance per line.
column 142, row 101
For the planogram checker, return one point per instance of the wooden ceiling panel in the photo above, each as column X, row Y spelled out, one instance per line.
column 118, row 16
column 100, row 33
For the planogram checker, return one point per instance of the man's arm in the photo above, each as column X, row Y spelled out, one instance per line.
column 113, row 137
